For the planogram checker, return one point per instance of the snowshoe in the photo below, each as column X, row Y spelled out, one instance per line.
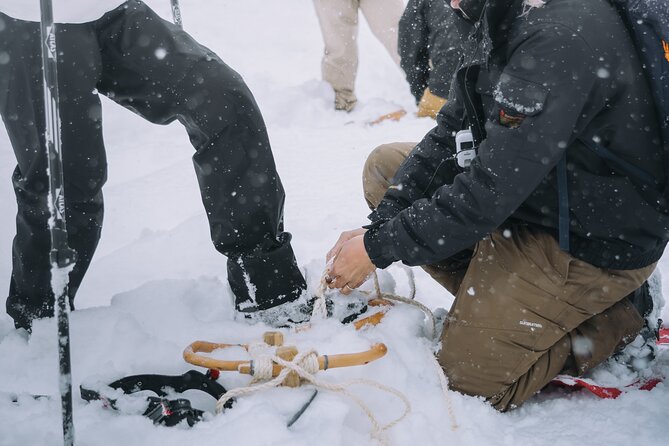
column 160, row 409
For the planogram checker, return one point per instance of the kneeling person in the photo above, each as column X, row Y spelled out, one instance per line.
column 540, row 239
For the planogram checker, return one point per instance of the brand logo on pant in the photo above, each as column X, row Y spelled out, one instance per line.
column 531, row 324
column 665, row 46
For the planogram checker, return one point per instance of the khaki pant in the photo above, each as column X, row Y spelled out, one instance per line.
column 339, row 26
column 524, row 310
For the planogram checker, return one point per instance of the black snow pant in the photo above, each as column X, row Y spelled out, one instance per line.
column 153, row 68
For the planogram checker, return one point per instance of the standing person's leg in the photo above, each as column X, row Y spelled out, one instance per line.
column 383, row 17
column 84, row 163
column 339, row 25
column 159, row 71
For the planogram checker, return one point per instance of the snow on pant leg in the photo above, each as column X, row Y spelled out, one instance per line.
column 596, row 339
column 160, row 72
column 84, row 163
column 383, row 17
column 339, row 25
column 508, row 330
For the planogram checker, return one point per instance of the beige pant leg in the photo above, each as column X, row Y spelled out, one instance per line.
column 380, row 169
column 591, row 343
column 339, row 25
column 383, row 17
column 524, row 308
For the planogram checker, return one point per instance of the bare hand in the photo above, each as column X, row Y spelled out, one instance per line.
column 343, row 238
column 351, row 266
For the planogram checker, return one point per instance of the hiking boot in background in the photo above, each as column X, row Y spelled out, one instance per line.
column 345, row 100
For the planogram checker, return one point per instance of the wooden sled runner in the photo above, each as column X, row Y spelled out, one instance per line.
column 192, row 355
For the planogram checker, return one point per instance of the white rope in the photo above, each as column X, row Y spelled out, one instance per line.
column 443, row 380
column 320, row 310
column 409, row 301
column 305, row 364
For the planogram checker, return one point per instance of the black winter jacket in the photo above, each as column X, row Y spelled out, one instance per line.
column 429, row 46
column 556, row 76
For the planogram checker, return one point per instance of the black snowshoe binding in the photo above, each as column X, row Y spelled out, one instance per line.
column 160, row 409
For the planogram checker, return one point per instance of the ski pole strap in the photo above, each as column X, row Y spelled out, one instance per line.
column 563, row 204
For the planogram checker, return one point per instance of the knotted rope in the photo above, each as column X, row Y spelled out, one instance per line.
column 305, row 364
column 320, row 310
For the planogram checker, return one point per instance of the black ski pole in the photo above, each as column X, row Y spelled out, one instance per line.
column 61, row 256
column 176, row 13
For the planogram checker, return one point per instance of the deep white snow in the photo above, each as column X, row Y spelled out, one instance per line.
column 156, row 283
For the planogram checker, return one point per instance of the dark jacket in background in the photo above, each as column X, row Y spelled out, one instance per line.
column 429, row 46
column 556, row 77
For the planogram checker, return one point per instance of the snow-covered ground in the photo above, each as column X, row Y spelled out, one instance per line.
column 157, row 284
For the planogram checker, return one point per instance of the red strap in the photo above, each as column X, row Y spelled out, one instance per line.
column 601, row 391
column 613, row 392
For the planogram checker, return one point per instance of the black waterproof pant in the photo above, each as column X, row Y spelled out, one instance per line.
column 155, row 69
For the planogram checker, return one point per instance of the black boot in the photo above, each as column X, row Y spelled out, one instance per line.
column 266, row 278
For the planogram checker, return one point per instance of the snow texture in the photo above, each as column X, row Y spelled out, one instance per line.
column 157, row 284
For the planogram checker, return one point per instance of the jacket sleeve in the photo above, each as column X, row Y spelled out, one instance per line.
column 548, row 79
column 412, row 47
column 430, row 165
column 447, row 45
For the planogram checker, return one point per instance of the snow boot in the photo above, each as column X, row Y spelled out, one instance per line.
column 648, row 300
column 346, row 309
column 266, row 277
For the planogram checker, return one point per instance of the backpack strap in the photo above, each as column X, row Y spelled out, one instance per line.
column 624, row 166
column 563, row 204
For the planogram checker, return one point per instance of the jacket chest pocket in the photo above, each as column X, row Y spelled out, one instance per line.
column 516, row 99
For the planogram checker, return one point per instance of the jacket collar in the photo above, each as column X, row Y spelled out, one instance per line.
column 492, row 29
column 491, row 18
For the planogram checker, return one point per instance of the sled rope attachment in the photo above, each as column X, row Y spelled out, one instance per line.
column 320, row 307
column 320, row 311
column 305, row 364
